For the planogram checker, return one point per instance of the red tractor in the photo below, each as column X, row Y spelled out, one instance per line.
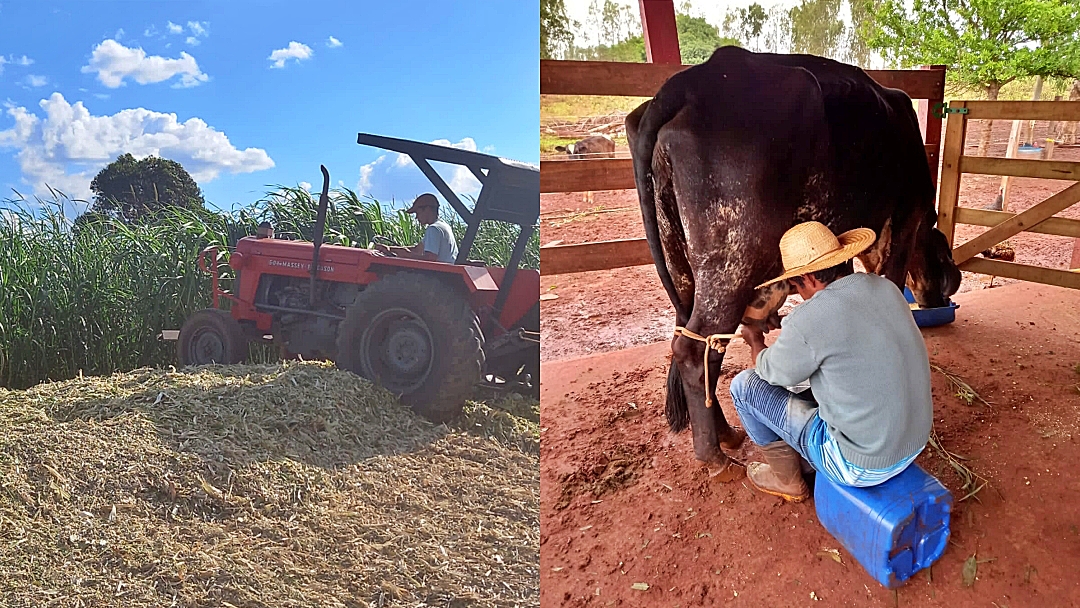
column 430, row 332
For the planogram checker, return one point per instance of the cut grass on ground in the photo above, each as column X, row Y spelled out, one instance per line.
column 275, row 485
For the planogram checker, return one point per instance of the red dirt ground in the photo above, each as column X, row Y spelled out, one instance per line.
column 656, row 516
column 623, row 501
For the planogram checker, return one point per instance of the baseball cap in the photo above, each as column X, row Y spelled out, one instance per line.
column 424, row 200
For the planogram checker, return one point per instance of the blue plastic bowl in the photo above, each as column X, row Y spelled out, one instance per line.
column 931, row 317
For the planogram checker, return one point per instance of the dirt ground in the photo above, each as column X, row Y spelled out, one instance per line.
column 623, row 501
column 610, row 310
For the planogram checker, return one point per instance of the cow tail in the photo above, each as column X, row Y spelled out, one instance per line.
column 660, row 110
column 643, row 129
column 676, row 410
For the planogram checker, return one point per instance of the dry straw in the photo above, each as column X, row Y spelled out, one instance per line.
column 277, row 485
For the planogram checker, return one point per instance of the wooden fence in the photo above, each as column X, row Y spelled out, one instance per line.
column 1039, row 218
column 643, row 80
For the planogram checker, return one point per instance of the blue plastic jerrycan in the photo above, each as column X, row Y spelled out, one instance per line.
column 893, row 529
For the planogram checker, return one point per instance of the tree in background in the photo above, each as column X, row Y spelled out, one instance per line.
column 555, row 34
column 986, row 44
column 619, row 30
column 698, row 39
column 816, row 27
column 134, row 190
column 747, row 24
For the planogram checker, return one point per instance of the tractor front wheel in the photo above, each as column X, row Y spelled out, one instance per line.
column 417, row 337
column 210, row 336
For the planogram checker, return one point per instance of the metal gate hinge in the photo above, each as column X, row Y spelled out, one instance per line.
column 940, row 110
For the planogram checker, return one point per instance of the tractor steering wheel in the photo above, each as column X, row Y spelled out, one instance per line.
column 383, row 240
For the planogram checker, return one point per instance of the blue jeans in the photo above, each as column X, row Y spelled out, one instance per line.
column 771, row 413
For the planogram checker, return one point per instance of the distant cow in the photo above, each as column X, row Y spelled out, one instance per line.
column 593, row 146
column 730, row 154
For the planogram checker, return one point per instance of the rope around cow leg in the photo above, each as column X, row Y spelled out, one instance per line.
column 717, row 342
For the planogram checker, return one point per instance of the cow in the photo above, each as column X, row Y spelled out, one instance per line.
column 593, row 146
column 730, row 154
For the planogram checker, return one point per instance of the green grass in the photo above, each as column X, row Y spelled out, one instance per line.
column 92, row 296
column 574, row 107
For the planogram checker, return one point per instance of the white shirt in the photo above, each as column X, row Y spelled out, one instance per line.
column 439, row 239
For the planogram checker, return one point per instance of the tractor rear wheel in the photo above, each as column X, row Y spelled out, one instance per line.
column 416, row 336
column 210, row 336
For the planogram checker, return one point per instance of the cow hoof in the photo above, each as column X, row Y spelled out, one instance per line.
column 728, row 472
column 734, row 440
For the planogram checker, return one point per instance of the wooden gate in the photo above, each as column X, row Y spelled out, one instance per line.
column 643, row 80
column 1039, row 218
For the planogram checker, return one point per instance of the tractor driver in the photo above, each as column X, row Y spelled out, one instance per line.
column 438, row 244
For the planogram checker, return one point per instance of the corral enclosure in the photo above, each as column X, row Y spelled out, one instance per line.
column 629, row 517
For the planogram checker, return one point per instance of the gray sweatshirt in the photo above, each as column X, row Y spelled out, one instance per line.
column 858, row 344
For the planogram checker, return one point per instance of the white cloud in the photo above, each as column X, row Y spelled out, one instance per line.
column 24, row 60
column 102, row 95
column 193, row 41
column 199, row 28
column 306, row 186
column 295, row 50
column 68, row 146
column 174, row 28
column 459, row 178
column 334, row 42
column 114, row 62
column 150, row 31
column 36, row 81
column 119, row 34
column 364, row 185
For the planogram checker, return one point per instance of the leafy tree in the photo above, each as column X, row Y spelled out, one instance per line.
column 555, row 33
column 816, row 27
column 135, row 190
column 698, row 38
column 747, row 24
column 985, row 43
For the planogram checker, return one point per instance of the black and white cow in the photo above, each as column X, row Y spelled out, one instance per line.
column 730, row 154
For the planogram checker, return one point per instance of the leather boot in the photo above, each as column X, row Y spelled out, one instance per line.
column 780, row 474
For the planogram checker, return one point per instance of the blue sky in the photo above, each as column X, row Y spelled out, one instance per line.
column 251, row 93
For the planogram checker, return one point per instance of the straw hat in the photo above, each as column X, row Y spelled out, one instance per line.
column 811, row 246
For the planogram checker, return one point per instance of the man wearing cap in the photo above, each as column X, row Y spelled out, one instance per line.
column 868, row 413
column 438, row 244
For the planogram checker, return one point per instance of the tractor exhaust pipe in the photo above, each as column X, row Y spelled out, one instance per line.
column 320, row 225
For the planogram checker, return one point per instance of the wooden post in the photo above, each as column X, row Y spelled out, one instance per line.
column 1010, row 152
column 658, row 27
column 1027, row 135
column 931, row 125
column 1048, row 150
column 1051, row 132
column 949, row 192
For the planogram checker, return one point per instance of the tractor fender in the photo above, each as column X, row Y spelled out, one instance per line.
column 476, row 279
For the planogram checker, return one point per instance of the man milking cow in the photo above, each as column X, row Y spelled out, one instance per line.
column 854, row 337
column 719, row 185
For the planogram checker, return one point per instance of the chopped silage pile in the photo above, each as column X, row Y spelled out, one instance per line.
column 275, row 485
